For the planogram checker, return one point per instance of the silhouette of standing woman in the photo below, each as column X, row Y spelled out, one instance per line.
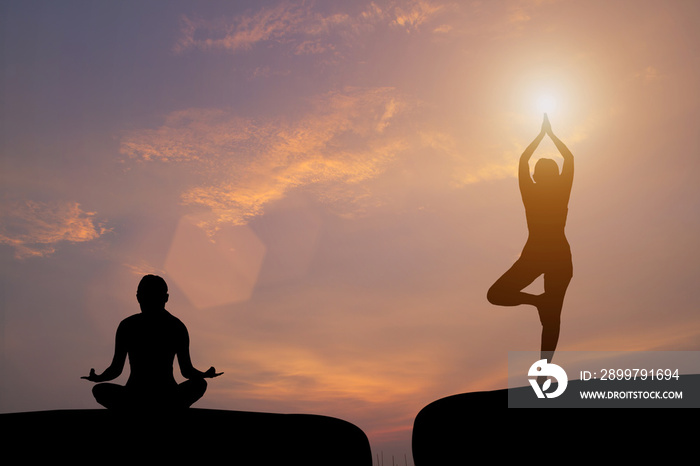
column 151, row 340
column 546, row 251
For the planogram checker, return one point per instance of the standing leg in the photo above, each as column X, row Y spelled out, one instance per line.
column 550, row 306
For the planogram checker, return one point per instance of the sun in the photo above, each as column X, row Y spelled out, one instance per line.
column 546, row 103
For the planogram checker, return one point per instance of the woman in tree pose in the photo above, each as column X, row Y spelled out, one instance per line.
column 546, row 198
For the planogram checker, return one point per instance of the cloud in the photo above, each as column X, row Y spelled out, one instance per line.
column 297, row 25
column 243, row 31
column 412, row 15
column 34, row 228
column 194, row 135
column 520, row 11
column 352, row 150
column 243, row 164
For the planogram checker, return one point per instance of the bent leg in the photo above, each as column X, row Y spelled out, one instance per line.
column 507, row 291
column 189, row 391
column 110, row 395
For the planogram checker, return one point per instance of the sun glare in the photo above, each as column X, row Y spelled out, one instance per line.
column 546, row 103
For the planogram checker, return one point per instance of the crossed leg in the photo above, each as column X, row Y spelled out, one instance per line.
column 119, row 397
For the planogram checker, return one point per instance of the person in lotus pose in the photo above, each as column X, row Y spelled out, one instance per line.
column 151, row 340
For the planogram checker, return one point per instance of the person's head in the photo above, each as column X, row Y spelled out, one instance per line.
column 546, row 171
column 152, row 293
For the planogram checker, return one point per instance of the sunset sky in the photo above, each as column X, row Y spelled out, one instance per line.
column 329, row 189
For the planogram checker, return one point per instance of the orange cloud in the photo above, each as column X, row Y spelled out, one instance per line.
column 34, row 228
column 283, row 370
column 414, row 14
column 344, row 139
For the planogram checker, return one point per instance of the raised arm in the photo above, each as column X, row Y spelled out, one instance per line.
column 524, row 178
column 187, row 370
column 567, row 170
column 115, row 369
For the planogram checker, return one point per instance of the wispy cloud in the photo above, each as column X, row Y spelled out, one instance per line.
column 520, row 11
column 34, row 228
column 411, row 15
column 242, row 32
column 245, row 164
column 299, row 26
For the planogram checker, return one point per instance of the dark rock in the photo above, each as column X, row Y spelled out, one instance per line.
column 462, row 428
column 237, row 437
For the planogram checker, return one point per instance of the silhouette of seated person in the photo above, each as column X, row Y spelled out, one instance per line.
column 151, row 340
column 545, row 196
